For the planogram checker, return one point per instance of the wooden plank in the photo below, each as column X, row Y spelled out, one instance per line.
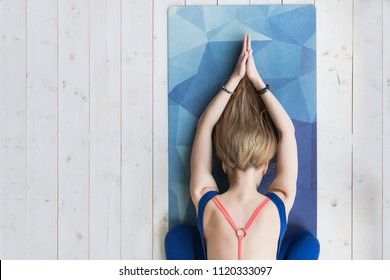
column 266, row 2
column 334, row 127
column 73, row 130
column 201, row 2
column 13, row 207
column 386, row 129
column 137, row 54
column 367, row 130
column 42, row 129
column 300, row 2
column 160, row 124
column 233, row 2
column 105, row 126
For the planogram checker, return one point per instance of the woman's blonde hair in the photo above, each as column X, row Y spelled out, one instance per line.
column 244, row 134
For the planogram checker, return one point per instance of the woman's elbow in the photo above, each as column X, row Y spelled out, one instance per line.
column 204, row 125
column 290, row 126
column 200, row 121
column 287, row 129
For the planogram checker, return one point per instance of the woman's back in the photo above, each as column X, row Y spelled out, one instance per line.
column 260, row 241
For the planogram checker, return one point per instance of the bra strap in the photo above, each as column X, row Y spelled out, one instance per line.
column 240, row 232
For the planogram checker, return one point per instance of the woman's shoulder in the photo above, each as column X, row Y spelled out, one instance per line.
column 198, row 195
column 204, row 197
column 282, row 197
column 278, row 199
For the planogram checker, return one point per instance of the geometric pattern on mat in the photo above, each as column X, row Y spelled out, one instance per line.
column 203, row 46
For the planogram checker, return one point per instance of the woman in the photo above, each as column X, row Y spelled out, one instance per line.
column 243, row 223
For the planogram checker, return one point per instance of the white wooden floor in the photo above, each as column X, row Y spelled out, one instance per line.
column 84, row 131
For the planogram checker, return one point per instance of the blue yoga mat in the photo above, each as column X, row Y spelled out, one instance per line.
column 204, row 43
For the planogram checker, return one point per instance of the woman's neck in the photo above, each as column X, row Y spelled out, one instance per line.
column 245, row 183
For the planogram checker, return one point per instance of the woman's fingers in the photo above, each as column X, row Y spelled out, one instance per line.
column 241, row 65
column 245, row 56
column 242, row 59
column 244, row 45
column 248, row 44
column 250, row 55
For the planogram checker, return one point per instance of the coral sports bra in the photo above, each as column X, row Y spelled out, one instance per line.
column 240, row 232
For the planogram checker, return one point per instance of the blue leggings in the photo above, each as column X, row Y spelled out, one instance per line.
column 183, row 242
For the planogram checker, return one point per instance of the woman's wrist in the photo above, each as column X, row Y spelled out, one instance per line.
column 232, row 83
column 258, row 83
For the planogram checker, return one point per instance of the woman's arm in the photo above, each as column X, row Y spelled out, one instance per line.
column 287, row 155
column 201, row 157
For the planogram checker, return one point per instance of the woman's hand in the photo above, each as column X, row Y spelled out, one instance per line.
column 246, row 65
column 251, row 69
column 240, row 70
